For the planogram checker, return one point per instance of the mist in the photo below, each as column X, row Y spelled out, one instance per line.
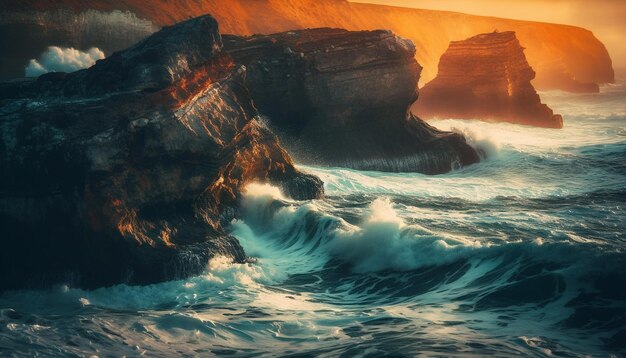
column 605, row 18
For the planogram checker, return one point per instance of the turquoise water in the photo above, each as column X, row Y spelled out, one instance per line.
column 522, row 254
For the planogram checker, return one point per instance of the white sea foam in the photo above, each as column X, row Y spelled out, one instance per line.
column 63, row 59
column 533, row 228
column 302, row 237
column 384, row 242
column 522, row 161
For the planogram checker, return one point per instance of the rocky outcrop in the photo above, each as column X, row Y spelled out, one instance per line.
column 565, row 57
column 126, row 171
column 342, row 98
column 486, row 77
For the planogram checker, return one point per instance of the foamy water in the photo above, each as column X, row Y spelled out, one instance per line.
column 522, row 254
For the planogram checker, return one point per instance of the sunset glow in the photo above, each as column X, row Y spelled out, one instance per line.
column 606, row 18
column 312, row 178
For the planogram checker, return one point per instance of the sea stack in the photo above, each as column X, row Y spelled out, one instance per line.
column 486, row 77
column 342, row 98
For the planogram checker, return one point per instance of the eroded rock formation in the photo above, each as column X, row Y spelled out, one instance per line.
column 342, row 98
column 126, row 171
column 486, row 77
column 565, row 57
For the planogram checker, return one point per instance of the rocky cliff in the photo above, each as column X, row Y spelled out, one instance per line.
column 342, row 98
column 486, row 77
column 564, row 57
column 126, row 171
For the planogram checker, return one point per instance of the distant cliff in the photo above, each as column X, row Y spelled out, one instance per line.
column 342, row 98
column 564, row 57
column 486, row 77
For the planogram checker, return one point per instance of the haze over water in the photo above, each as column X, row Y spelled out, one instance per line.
column 523, row 253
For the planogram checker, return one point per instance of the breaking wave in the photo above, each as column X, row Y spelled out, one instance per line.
column 522, row 254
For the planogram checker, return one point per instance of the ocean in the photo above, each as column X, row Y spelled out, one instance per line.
column 523, row 254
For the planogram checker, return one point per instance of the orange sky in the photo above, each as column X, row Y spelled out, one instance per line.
column 606, row 18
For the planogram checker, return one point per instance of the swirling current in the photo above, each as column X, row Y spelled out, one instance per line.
column 520, row 255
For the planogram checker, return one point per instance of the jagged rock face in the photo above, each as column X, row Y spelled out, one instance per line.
column 126, row 171
column 342, row 98
column 486, row 77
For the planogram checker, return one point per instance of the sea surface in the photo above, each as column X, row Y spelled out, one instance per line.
column 523, row 254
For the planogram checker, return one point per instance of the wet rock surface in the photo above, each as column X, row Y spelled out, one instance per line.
column 127, row 171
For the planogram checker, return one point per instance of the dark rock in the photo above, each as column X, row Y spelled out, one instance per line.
column 486, row 77
column 342, row 98
column 126, row 172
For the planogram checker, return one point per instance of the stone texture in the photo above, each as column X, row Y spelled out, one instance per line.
column 341, row 98
column 126, row 172
column 486, row 77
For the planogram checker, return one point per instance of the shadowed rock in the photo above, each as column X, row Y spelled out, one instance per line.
column 126, row 172
column 342, row 98
column 486, row 77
